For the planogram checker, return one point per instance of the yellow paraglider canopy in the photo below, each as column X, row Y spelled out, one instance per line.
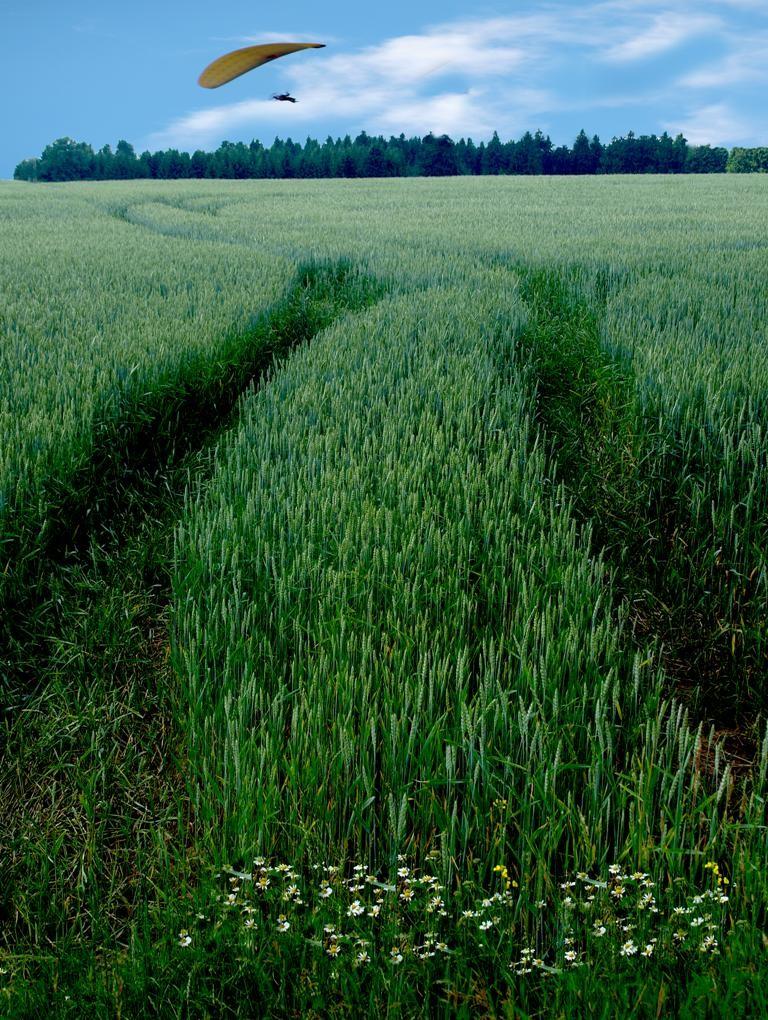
column 233, row 64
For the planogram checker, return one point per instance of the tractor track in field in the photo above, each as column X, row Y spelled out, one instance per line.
column 586, row 406
column 155, row 444
column 85, row 652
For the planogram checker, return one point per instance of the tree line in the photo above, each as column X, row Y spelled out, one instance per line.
column 375, row 156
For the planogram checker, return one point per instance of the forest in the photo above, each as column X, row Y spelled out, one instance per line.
column 376, row 156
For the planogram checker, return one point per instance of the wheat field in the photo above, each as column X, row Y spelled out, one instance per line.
column 383, row 597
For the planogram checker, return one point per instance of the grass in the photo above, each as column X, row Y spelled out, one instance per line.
column 470, row 585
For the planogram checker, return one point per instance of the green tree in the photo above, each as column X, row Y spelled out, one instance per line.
column 527, row 155
column 174, row 165
column 27, row 170
column 582, row 155
column 680, row 147
column 596, row 148
column 104, row 163
column 560, row 161
column 748, row 161
column 67, row 160
column 704, row 159
column 493, row 157
column 377, row 163
column 438, row 156
column 467, row 157
column 124, row 167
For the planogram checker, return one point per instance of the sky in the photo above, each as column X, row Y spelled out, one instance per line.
column 99, row 70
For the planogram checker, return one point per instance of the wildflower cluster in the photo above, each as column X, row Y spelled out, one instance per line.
column 348, row 913
column 627, row 914
column 357, row 918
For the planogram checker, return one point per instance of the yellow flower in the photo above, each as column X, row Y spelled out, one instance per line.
column 501, row 869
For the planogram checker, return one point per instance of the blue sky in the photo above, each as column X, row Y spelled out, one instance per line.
column 98, row 71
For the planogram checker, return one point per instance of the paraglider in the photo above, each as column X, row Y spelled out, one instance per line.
column 285, row 97
column 238, row 62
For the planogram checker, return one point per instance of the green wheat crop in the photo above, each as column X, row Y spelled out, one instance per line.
column 470, row 583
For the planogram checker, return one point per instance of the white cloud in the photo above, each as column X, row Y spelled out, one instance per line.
column 452, row 113
column 480, row 49
column 197, row 130
column 289, row 35
column 665, row 32
column 385, row 85
column 461, row 114
column 746, row 5
column 747, row 61
column 476, row 75
column 715, row 124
